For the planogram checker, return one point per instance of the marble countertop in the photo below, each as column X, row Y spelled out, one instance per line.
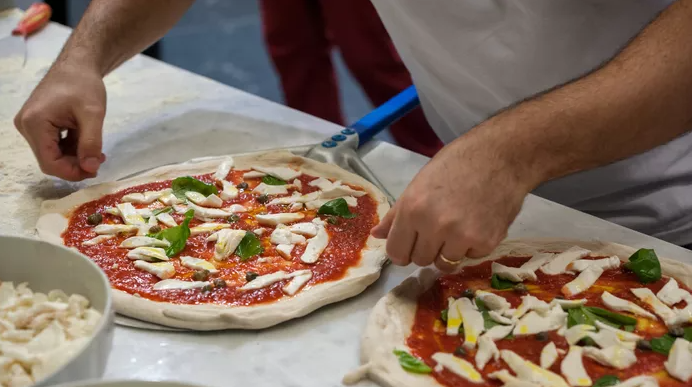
column 159, row 114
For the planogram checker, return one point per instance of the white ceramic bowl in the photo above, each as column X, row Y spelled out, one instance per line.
column 46, row 267
column 126, row 383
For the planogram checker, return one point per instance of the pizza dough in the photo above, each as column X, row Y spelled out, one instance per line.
column 390, row 321
column 54, row 216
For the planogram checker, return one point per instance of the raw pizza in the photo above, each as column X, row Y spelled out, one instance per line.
column 244, row 242
column 537, row 313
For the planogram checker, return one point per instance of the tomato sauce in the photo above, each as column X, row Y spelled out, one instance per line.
column 346, row 240
column 428, row 334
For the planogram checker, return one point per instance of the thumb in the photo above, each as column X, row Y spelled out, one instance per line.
column 381, row 231
column 89, row 142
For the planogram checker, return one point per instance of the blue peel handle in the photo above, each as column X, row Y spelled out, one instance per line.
column 386, row 114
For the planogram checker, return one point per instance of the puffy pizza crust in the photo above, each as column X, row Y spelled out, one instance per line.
column 54, row 216
column 391, row 320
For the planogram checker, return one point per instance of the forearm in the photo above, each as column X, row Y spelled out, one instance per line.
column 639, row 100
column 112, row 31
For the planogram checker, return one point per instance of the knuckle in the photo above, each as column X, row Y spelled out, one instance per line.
column 26, row 119
column 92, row 143
column 94, row 110
column 416, row 208
column 394, row 252
column 45, row 168
column 18, row 121
column 448, row 226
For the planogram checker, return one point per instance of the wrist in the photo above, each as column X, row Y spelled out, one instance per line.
column 509, row 147
column 79, row 60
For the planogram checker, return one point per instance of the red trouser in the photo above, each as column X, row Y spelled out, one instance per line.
column 299, row 35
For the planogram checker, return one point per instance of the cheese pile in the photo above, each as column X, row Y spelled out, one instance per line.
column 614, row 348
column 149, row 254
column 39, row 333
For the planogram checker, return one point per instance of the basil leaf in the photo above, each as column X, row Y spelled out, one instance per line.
column 589, row 315
column 411, row 364
column 485, row 312
column 577, row 316
column 663, row 344
column 488, row 321
column 271, row 180
column 188, row 183
column 500, row 283
column 164, row 210
column 645, row 265
column 249, row 246
column 177, row 235
column 606, row 381
column 615, row 318
column 629, row 328
column 688, row 334
column 337, row 207
column 443, row 315
column 480, row 304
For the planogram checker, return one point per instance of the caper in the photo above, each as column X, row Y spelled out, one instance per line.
column 242, row 185
column 263, row 198
column 207, row 288
column 460, row 352
column 542, row 336
column 677, row 331
column 219, row 283
column 644, row 345
column 521, row 289
column 233, row 218
column 154, row 229
column 95, row 219
column 200, row 275
column 250, row 275
column 468, row 293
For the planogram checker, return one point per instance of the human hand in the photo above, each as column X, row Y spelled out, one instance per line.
column 62, row 121
column 459, row 205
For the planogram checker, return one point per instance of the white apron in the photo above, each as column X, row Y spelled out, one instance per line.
column 471, row 58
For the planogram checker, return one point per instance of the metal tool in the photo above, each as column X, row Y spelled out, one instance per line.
column 340, row 149
column 33, row 20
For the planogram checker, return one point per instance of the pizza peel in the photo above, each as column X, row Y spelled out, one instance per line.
column 339, row 149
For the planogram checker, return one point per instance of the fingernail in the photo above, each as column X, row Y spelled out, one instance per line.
column 91, row 164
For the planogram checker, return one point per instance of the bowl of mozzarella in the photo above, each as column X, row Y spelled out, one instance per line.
column 56, row 317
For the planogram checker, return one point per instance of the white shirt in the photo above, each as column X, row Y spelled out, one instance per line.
column 471, row 58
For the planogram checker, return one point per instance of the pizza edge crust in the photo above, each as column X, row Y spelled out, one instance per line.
column 54, row 215
column 392, row 317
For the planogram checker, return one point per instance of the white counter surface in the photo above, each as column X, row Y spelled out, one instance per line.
column 159, row 114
